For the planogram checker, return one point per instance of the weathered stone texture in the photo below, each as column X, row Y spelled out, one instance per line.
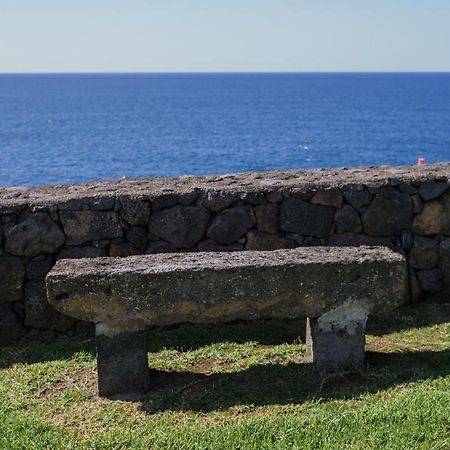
column 137, row 237
column 388, row 214
column 135, row 212
column 231, row 224
column 347, row 220
column 424, row 254
column 182, row 226
column 226, row 286
column 430, row 280
column 298, row 216
column 432, row 189
column 357, row 196
column 12, row 278
column 84, row 226
column 35, row 234
column 434, row 218
column 329, row 197
column 267, row 218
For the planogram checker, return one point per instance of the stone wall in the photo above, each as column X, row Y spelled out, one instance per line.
column 405, row 208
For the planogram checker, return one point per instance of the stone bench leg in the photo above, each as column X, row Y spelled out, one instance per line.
column 336, row 340
column 122, row 364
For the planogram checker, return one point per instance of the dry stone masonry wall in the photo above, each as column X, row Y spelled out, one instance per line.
column 404, row 208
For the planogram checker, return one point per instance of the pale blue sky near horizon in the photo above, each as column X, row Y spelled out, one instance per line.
column 232, row 36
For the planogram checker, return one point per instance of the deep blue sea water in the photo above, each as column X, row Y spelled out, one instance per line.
column 70, row 128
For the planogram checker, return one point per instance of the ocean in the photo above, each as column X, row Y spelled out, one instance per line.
column 78, row 127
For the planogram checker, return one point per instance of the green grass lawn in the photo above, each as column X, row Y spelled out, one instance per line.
column 238, row 386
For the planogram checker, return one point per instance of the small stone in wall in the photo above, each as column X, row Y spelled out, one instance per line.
column 257, row 240
column 424, row 254
column 298, row 216
column 329, row 197
column 84, row 226
column 347, row 220
column 357, row 196
column 389, row 213
column 164, row 201
column 267, row 218
column 218, row 201
column 12, row 271
column 182, row 226
column 35, row 234
column 101, row 203
column 135, row 212
column 231, row 224
column 432, row 189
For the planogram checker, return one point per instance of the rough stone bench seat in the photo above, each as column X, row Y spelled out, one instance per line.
column 335, row 288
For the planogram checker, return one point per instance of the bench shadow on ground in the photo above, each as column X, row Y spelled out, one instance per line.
column 277, row 384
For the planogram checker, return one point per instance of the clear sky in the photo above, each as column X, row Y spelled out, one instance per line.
column 224, row 35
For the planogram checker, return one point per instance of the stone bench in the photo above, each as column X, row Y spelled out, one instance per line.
column 335, row 288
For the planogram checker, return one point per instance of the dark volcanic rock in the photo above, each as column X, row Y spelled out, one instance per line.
column 388, row 214
column 39, row 313
column 137, row 237
column 35, row 234
column 12, row 271
column 11, row 327
column 135, row 212
column 298, row 216
column 357, row 196
column 432, row 189
column 329, row 197
column 347, row 220
column 258, row 240
column 84, row 226
column 218, row 201
column 38, row 268
column 424, row 254
column 231, row 224
column 182, row 226
column 430, row 280
column 267, row 218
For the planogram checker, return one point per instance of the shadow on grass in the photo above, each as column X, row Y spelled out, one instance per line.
column 276, row 384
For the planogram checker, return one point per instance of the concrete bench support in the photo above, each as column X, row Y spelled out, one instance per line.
column 335, row 346
column 336, row 288
column 122, row 363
